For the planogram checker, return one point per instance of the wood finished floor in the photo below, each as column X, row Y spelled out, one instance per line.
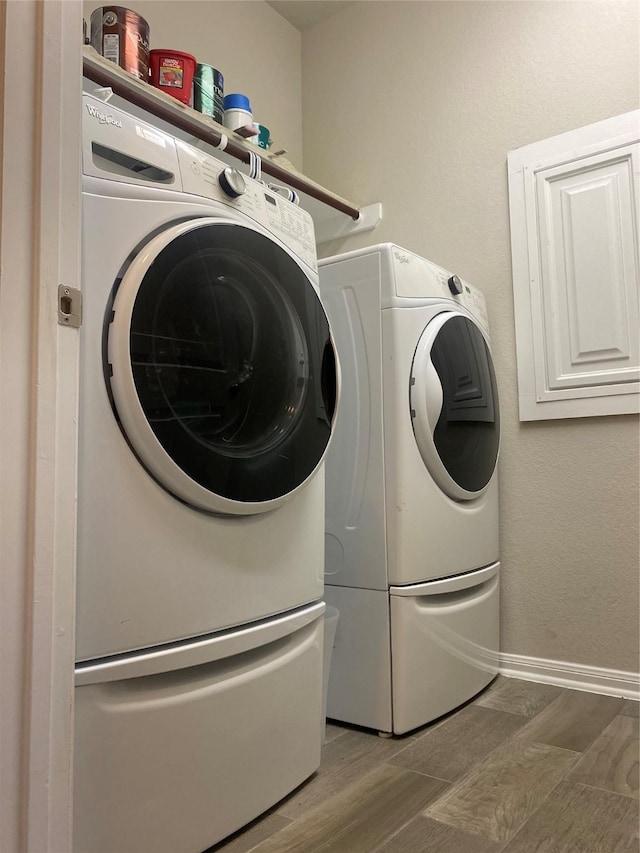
column 523, row 768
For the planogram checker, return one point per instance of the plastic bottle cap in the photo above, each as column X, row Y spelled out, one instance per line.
column 237, row 102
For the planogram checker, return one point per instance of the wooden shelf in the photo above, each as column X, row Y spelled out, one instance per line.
column 342, row 218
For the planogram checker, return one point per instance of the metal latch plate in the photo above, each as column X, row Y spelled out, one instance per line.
column 69, row 306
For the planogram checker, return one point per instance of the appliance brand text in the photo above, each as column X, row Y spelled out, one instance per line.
column 103, row 118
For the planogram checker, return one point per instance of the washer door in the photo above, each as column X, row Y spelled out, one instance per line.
column 454, row 405
column 222, row 370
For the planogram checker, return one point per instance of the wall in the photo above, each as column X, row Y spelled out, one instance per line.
column 254, row 48
column 415, row 105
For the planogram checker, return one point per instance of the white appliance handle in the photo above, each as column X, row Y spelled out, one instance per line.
column 427, row 398
column 441, row 587
column 218, row 647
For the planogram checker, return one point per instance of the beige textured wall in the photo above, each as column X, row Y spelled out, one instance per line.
column 415, row 105
column 257, row 51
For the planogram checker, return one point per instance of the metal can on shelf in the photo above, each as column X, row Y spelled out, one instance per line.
column 208, row 92
column 122, row 35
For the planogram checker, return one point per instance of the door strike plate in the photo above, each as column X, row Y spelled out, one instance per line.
column 69, row 306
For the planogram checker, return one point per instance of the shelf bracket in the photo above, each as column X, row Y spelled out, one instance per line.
column 334, row 226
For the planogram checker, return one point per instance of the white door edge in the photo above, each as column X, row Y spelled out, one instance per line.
column 40, row 238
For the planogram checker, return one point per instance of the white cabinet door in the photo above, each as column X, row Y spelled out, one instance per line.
column 574, row 232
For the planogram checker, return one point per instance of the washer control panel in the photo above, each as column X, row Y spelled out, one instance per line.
column 120, row 147
column 204, row 175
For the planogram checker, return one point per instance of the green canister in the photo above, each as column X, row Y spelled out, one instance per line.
column 208, row 92
column 262, row 137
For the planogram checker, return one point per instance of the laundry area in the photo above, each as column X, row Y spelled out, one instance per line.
column 351, row 509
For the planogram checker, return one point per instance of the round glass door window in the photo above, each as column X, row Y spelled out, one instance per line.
column 454, row 405
column 223, row 370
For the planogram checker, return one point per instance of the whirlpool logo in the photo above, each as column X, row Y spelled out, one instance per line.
column 103, row 118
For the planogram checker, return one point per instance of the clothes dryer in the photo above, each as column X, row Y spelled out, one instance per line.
column 208, row 384
column 412, row 491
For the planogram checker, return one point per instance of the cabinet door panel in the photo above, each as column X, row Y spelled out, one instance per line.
column 574, row 201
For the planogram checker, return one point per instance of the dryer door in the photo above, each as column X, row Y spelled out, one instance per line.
column 454, row 405
column 221, row 367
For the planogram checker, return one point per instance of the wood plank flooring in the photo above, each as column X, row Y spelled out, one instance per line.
column 523, row 768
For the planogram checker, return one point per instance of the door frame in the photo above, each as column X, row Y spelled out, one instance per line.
column 41, row 56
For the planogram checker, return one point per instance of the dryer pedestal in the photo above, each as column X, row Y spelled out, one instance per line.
column 405, row 657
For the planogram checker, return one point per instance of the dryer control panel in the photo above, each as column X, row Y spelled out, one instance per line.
column 417, row 278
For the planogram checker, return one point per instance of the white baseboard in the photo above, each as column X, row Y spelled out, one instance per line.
column 576, row 676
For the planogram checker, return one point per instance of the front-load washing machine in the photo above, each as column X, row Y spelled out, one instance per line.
column 412, row 492
column 208, row 385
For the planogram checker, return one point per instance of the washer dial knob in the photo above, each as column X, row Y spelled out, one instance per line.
column 232, row 182
column 455, row 285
